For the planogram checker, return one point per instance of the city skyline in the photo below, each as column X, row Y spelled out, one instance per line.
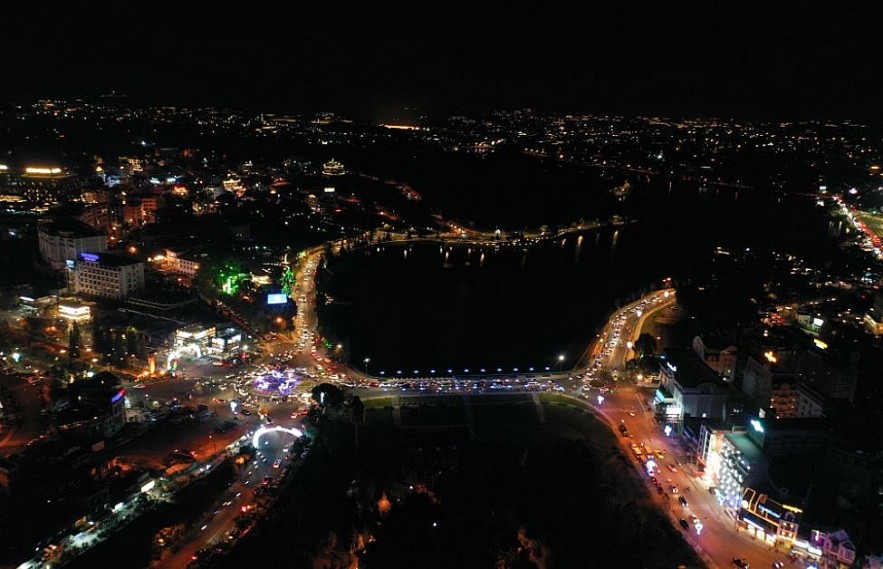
column 385, row 64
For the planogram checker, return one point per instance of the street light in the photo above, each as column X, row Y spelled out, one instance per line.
column 560, row 361
column 366, row 361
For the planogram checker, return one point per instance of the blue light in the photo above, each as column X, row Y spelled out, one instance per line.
column 120, row 394
column 89, row 257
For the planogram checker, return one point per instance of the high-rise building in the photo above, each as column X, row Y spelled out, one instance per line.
column 62, row 241
column 50, row 185
column 108, row 276
column 689, row 388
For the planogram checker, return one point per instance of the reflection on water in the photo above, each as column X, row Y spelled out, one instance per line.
column 520, row 307
column 613, row 243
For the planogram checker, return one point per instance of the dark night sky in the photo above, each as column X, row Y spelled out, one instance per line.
column 742, row 58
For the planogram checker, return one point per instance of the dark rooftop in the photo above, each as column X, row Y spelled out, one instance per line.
column 67, row 227
column 691, row 371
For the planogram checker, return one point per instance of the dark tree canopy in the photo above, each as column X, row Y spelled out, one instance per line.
column 333, row 397
column 645, row 345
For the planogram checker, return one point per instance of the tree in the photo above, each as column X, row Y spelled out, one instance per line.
column 73, row 342
column 328, row 395
column 118, row 347
column 645, row 345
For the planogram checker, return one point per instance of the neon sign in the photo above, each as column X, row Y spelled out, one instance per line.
column 120, row 394
column 89, row 257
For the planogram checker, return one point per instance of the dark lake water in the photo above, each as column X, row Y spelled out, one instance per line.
column 417, row 307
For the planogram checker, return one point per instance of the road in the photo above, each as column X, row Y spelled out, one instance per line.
column 718, row 542
column 27, row 396
column 242, row 496
column 611, row 348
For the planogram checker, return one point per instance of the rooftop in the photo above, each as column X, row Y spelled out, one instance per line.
column 67, row 227
column 751, row 452
column 689, row 370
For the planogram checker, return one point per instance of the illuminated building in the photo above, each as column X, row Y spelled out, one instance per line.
column 62, row 242
column 194, row 335
column 41, row 184
column 763, row 372
column 9, row 185
column 141, row 210
column 688, row 387
column 199, row 340
column 108, row 276
column 837, row 549
column 226, row 341
column 177, row 262
column 333, row 168
column 74, row 311
column 742, row 464
column 783, row 400
column 873, row 320
column 95, row 404
column 769, row 520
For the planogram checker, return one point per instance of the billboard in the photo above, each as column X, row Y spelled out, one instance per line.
column 277, row 298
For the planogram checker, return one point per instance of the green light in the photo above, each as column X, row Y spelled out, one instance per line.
column 287, row 281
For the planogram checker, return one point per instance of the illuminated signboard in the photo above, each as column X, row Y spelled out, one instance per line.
column 755, row 424
column 672, row 367
column 817, row 322
column 769, row 512
column 89, row 257
column 277, row 298
column 120, row 394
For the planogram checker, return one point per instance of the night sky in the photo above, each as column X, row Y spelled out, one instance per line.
column 731, row 58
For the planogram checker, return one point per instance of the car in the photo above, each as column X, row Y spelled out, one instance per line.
column 672, row 467
column 741, row 563
column 778, row 564
column 277, row 463
column 684, row 523
column 682, row 501
column 674, row 489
